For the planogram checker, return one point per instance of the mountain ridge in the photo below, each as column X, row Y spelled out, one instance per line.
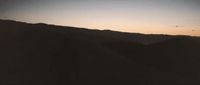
column 124, row 35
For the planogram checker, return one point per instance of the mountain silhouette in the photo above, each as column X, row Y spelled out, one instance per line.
column 42, row 54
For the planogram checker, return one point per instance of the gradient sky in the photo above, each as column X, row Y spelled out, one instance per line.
column 144, row 16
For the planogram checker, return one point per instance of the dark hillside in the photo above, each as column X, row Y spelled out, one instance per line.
column 42, row 54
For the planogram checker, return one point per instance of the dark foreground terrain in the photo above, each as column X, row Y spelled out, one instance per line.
column 41, row 54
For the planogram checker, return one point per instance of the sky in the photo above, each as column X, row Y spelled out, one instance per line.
column 174, row 17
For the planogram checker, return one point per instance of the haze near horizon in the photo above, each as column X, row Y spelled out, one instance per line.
column 142, row 16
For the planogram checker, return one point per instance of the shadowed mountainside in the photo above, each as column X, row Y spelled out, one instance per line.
column 41, row 54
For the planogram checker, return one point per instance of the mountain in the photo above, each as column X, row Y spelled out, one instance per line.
column 42, row 54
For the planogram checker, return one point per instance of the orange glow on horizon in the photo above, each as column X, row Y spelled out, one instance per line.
column 174, row 17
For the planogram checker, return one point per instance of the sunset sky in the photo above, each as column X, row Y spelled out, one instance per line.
column 142, row 16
